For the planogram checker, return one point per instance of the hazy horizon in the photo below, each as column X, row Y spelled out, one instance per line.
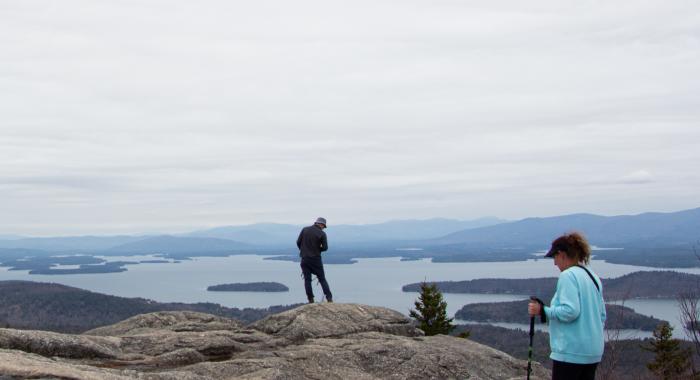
column 196, row 228
column 184, row 230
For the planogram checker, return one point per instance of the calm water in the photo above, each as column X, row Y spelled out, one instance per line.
column 370, row 281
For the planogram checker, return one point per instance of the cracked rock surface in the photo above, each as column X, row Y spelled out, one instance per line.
column 316, row 341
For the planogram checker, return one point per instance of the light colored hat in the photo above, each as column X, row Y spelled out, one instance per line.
column 321, row 221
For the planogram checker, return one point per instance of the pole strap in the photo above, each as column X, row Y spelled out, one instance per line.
column 591, row 276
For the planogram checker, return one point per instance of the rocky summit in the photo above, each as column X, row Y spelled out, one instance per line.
column 316, row 341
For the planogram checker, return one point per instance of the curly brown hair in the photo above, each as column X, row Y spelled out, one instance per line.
column 574, row 245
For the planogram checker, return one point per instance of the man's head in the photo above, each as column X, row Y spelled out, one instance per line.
column 321, row 222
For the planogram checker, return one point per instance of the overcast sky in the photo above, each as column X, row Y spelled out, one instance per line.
column 133, row 116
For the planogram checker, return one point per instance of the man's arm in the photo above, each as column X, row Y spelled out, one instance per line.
column 324, row 242
column 299, row 239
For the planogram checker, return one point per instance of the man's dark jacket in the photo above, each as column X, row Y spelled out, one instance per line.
column 312, row 241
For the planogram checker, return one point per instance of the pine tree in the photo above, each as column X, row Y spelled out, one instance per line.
column 431, row 311
column 670, row 362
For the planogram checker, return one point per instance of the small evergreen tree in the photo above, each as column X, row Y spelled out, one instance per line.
column 431, row 311
column 671, row 361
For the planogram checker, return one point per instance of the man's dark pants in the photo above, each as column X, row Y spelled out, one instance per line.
column 314, row 265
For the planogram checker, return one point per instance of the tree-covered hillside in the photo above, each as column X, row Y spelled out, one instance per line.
column 643, row 284
column 54, row 307
column 618, row 317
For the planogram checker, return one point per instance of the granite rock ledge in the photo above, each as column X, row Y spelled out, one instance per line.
column 325, row 340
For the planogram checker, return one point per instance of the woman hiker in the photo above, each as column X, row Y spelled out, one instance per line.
column 576, row 314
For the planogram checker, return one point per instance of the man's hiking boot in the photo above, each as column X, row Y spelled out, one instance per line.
column 311, row 300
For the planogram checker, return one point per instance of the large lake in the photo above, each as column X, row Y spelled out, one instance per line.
column 369, row 281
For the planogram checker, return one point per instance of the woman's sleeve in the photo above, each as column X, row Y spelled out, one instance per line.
column 568, row 305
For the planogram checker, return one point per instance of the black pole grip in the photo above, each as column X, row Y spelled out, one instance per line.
column 543, row 316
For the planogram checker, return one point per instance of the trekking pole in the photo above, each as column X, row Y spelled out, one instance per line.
column 529, row 350
column 532, row 334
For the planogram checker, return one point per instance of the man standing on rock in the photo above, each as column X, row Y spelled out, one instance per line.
column 311, row 242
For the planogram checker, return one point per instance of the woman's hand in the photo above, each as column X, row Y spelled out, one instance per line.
column 534, row 308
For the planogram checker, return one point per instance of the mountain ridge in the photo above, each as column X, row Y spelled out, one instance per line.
column 257, row 235
column 647, row 239
column 630, row 230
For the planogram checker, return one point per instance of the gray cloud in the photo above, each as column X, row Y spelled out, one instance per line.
column 638, row 177
column 129, row 117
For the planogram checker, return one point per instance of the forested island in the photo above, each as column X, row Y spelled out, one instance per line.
column 39, row 262
column 655, row 257
column 110, row 267
column 51, row 265
column 618, row 317
column 643, row 284
column 249, row 287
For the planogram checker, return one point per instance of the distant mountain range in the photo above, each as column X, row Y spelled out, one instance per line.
column 644, row 230
column 269, row 235
column 10, row 237
column 79, row 243
column 443, row 239
column 178, row 245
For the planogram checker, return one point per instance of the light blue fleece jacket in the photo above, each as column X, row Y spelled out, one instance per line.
column 576, row 317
